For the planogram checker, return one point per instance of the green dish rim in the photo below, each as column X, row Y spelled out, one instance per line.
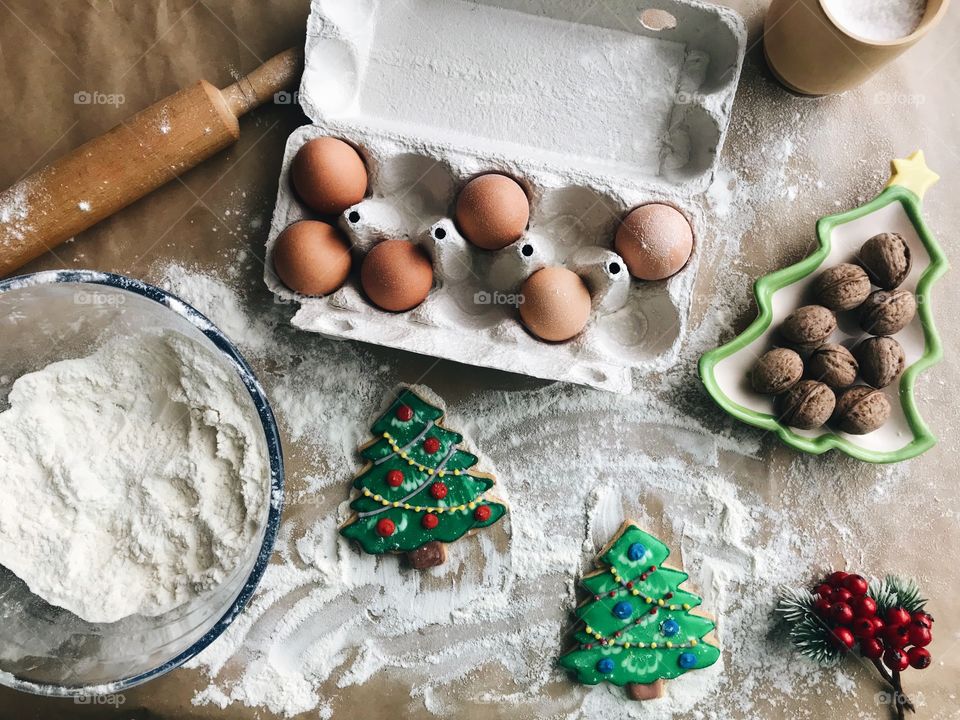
column 765, row 288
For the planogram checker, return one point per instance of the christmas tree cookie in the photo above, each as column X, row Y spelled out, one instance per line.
column 417, row 490
column 638, row 628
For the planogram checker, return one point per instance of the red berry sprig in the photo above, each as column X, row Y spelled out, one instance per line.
column 843, row 602
column 892, row 643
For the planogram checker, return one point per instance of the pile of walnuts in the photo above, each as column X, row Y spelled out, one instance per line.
column 816, row 380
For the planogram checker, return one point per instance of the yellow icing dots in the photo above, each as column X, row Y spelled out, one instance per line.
column 654, row 602
column 405, row 456
column 406, row 506
column 639, row 645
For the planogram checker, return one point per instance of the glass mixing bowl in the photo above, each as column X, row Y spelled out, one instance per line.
column 44, row 649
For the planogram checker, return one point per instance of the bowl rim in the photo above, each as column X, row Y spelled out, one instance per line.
column 274, row 451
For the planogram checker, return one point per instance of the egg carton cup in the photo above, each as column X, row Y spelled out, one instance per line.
column 590, row 108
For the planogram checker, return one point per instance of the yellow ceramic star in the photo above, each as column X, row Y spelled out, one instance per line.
column 913, row 174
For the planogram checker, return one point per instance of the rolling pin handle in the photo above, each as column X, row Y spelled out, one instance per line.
column 260, row 86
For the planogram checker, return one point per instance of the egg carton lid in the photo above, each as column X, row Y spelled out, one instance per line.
column 624, row 93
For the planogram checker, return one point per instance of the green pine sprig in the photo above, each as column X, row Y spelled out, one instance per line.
column 896, row 592
column 795, row 604
column 809, row 634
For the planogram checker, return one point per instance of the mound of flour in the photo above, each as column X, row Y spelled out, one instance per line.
column 133, row 479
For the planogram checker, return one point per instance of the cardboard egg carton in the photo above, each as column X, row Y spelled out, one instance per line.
column 590, row 108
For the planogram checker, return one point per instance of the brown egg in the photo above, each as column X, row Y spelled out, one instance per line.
column 396, row 275
column 655, row 241
column 329, row 175
column 555, row 305
column 312, row 258
column 492, row 211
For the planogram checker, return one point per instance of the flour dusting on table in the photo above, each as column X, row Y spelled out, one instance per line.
column 486, row 629
column 329, row 619
column 133, row 479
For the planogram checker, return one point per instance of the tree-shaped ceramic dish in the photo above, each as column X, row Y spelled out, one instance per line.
column 898, row 209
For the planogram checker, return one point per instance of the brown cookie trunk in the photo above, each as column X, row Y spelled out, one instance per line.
column 652, row 691
column 432, row 554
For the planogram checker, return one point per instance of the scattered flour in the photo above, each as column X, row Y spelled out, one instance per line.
column 328, row 620
column 14, row 214
column 845, row 683
column 485, row 630
column 164, row 125
column 878, row 20
column 134, row 479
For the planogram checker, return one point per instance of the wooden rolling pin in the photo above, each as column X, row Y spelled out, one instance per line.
column 131, row 160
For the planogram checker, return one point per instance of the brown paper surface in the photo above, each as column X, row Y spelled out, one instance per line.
column 143, row 51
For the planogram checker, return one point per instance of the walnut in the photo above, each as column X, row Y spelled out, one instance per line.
column 887, row 313
column 809, row 327
column 808, row 405
column 886, row 258
column 881, row 359
column 777, row 371
column 861, row 410
column 843, row 287
column 833, row 365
